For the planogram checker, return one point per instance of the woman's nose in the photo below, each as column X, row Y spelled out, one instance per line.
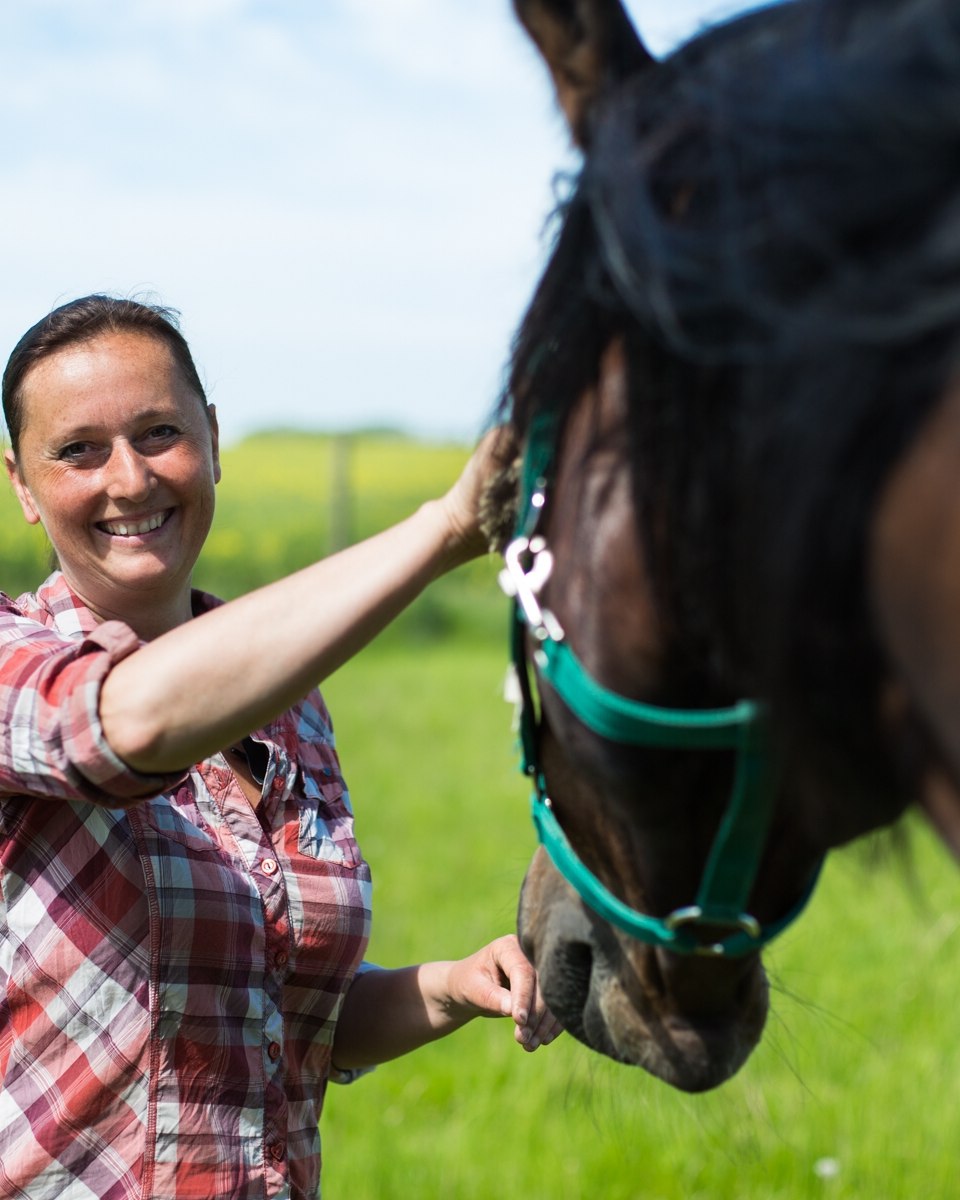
column 129, row 474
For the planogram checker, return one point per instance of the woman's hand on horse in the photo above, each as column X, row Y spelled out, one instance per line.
column 462, row 503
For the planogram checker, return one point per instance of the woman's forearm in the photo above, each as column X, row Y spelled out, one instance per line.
column 389, row 1013
column 207, row 683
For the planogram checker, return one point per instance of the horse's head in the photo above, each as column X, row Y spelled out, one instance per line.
column 644, row 984
column 639, row 818
column 663, row 541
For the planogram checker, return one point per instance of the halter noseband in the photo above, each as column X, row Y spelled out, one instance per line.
column 717, row 923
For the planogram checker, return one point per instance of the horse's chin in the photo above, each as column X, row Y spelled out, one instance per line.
column 688, row 1054
column 691, row 1023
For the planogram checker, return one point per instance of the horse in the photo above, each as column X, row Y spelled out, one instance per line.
column 733, row 565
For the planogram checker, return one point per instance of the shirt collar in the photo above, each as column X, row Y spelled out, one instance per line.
column 67, row 613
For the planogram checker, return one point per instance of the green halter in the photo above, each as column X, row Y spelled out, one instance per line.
column 717, row 923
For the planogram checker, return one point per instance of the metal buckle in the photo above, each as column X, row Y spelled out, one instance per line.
column 694, row 915
column 524, row 585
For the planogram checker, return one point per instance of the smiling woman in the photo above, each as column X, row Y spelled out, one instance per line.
column 183, row 904
column 118, row 462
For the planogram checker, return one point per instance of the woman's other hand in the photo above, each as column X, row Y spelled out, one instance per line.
column 387, row 1013
column 500, row 981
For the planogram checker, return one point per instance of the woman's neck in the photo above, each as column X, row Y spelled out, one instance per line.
column 148, row 613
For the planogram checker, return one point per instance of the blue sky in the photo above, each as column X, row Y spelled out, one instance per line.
column 344, row 198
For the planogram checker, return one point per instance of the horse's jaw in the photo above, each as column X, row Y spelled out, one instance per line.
column 691, row 1022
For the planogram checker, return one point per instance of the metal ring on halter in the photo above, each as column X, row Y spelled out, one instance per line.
column 694, row 915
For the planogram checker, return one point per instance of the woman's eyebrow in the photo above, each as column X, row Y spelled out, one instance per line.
column 143, row 416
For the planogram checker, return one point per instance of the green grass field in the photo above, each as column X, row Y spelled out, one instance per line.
column 853, row 1094
column 857, row 1073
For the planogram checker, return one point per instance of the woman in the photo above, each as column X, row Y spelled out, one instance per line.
column 184, row 905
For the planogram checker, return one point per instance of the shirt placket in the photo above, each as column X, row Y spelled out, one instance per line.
column 267, row 873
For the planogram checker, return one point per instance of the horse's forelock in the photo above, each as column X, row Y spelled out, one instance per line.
column 500, row 506
column 767, row 184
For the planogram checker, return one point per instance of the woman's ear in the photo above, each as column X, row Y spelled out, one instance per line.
column 215, row 440
column 30, row 511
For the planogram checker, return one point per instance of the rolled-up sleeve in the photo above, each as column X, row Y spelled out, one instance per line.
column 352, row 1074
column 51, row 740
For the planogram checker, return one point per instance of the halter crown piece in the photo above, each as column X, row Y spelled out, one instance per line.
column 717, row 922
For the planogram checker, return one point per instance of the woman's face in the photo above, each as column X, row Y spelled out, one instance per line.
column 118, row 459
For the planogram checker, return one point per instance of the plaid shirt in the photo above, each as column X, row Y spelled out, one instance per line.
column 170, row 973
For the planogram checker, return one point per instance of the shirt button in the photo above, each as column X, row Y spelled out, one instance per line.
column 274, row 1050
column 278, row 783
column 277, row 1151
column 269, row 866
column 280, row 960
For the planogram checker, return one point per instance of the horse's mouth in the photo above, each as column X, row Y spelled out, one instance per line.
column 693, row 1054
column 618, row 1001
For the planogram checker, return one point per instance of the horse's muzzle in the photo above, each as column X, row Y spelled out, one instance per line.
column 690, row 1021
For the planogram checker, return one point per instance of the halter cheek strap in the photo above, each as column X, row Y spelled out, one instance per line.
column 717, row 922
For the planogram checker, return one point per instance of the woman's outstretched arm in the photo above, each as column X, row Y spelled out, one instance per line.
column 389, row 1013
column 210, row 681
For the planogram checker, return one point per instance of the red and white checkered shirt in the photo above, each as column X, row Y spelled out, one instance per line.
column 170, row 973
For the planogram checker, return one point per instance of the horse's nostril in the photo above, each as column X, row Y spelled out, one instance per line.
column 566, row 982
column 567, row 985
column 577, row 967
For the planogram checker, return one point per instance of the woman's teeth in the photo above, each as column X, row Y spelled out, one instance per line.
column 129, row 528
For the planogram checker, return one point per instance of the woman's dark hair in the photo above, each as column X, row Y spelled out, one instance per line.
column 81, row 321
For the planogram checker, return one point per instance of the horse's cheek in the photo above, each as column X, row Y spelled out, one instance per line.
column 914, row 569
column 534, row 905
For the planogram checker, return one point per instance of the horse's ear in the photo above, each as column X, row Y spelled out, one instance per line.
column 589, row 46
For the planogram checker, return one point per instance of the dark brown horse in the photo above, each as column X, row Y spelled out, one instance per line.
column 733, row 514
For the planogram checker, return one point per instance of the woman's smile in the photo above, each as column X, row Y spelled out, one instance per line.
column 135, row 527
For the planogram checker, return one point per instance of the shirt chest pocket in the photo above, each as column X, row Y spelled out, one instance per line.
column 326, row 822
column 179, row 819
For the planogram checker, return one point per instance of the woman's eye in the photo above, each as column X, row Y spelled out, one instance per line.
column 75, row 451
column 162, row 432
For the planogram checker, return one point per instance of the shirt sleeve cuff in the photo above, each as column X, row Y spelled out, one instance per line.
column 86, row 746
column 351, row 1076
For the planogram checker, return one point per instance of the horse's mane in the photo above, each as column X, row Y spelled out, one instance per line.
column 770, row 219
